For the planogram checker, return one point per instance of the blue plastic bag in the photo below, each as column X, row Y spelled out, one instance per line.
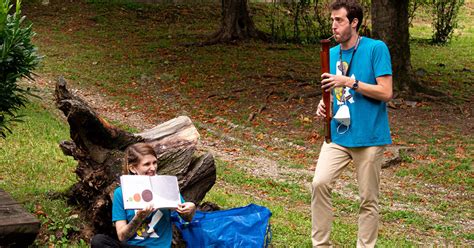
column 247, row 226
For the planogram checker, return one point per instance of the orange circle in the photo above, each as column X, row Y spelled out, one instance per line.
column 137, row 197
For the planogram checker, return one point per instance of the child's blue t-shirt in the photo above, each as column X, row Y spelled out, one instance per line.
column 162, row 234
column 369, row 117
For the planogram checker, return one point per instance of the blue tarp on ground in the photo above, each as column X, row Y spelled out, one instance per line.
column 247, row 226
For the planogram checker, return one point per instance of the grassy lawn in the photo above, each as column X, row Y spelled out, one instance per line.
column 134, row 56
column 34, row 170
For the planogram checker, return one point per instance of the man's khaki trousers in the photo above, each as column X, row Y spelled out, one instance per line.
column 332, row 160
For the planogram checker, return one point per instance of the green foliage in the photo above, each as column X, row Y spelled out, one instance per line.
column 306, row 21
column 445, row 13
column 61, row 226
column 18, row 58
column 414, row 6
column 295, row 21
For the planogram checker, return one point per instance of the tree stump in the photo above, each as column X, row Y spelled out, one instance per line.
column 99, row 149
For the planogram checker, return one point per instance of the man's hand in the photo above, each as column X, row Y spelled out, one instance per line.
column 321, row 111
column 331, row 81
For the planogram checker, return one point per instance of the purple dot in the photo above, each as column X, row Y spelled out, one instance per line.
column 147, row 195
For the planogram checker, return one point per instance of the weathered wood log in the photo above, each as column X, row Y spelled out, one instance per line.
column 99, row 149
column 18, row 227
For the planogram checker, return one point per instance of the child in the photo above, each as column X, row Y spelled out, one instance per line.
column 147, row 227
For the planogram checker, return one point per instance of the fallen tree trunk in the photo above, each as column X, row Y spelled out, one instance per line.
column 99, row 149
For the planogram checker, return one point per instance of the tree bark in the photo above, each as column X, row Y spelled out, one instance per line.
column 99, row 149
column 236, row 24
column 390, row 24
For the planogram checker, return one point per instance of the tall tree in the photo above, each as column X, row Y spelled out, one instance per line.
column 236, row 23
column 390, row 24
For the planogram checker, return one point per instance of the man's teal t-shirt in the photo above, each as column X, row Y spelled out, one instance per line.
column 162, row 235
column 369, row 117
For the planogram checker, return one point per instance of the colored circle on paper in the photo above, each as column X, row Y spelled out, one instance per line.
column 147, row 195
column 136, row 197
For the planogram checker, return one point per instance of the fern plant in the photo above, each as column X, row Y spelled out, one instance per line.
column 18, row 59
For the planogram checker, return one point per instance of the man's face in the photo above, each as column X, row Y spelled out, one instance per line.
column 341, row 27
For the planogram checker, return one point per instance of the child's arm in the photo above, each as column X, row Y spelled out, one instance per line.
column 127, row 230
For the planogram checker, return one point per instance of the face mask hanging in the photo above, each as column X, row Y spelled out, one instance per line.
column 343, row 117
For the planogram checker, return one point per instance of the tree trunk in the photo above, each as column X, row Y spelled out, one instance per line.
column 99, row 149
column 390, row 24
column 236, row 24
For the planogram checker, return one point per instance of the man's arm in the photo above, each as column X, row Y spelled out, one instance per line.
column 382, row 91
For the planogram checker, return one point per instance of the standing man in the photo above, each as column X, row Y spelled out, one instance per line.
column 360, row 79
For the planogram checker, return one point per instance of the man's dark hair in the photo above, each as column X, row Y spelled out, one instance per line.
column 353, row 8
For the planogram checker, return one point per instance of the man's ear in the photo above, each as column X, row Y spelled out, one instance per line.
column 354, row 22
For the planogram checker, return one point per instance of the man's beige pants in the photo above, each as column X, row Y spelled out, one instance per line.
column 332, row 160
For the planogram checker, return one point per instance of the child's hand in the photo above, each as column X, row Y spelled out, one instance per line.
column 186, row 210
column 142, row 214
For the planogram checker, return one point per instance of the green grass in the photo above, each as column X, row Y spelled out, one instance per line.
column 38, row 135
column 289, row 204
column 445, row 72
column 407, row 217
column 33, row 170
column 449, row 173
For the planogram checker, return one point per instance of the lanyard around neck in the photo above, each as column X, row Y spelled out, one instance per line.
column 352, row 57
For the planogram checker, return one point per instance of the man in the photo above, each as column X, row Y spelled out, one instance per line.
column 360, row 80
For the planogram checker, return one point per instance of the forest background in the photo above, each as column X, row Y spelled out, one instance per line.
column 250, row 102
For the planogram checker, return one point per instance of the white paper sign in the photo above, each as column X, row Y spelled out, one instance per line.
column 141, row 191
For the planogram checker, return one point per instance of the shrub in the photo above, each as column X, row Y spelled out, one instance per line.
column 445, row 20
column 18, row 58
column 300, row 21
column 414, row 6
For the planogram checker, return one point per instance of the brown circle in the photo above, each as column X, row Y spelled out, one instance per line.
column 147, row 195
